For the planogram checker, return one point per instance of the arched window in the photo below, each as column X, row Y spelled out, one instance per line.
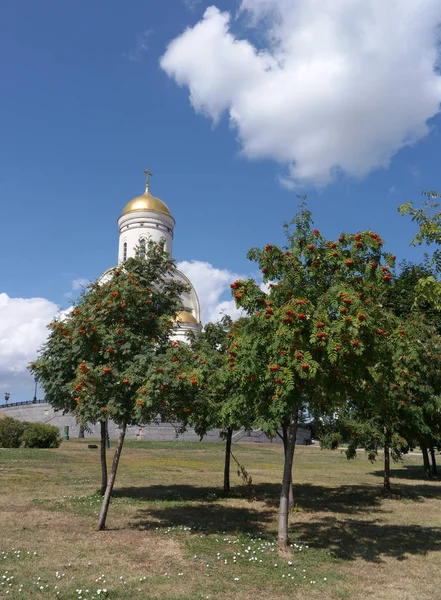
column 125, row 252
column 142, row 248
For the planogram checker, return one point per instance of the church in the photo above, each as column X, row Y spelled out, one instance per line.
column 148, row 218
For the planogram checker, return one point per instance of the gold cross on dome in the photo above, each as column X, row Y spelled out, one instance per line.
column 148, row 174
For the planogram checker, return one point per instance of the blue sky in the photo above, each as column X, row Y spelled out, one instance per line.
column 86, row 106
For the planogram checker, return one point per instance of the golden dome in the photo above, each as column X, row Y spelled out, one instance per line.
column 146, row 202
column 185, row 317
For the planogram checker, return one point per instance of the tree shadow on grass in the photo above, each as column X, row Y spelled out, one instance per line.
column 414, row 472
column 354, row 499
column 349, row 533
column 344, row 499
column 308, row 497
column 210, row 518
column 370, row 540
column 171, row 493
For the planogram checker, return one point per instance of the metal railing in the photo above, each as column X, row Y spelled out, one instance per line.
column 24, row 403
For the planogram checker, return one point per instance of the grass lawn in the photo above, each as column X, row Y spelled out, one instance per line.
column 173, row 535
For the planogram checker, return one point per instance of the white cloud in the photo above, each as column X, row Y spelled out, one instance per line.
column 211, row 284
column 192, row 4
column 23, row 330
column 341, row 85
column 77, row 286
column 140, row 48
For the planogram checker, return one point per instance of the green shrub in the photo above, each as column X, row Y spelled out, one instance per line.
column 39, row 435
column 11, row 432
column 15, row 433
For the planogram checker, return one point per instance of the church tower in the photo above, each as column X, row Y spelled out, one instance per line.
column 143, row 218
column 146, row 217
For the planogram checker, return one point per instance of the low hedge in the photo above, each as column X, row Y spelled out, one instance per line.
column 11, row 432
column 16, row 434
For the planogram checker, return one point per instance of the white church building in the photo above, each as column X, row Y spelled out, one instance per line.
column 148, row 218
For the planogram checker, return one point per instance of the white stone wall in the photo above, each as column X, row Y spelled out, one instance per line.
column 44, row 413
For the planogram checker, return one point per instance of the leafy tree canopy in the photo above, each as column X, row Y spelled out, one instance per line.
column 96, row 356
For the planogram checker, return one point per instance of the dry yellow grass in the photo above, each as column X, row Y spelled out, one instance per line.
column 169, row 520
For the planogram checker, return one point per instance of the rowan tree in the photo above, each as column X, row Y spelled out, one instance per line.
column 191, row 384
column 371, row 419
column 419, row 363
column 423, row 320
column 223, row 405
column 428, row 219
column 314, row 333
column 170, row 388
column 96, row 357
column 401, row 404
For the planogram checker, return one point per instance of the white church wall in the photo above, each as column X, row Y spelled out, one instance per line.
column 190, row 299
column 180, row 332
column 143, row 224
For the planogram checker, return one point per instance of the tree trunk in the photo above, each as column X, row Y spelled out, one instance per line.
column 111, row 481
column 291, row 490
column 81, row 432
column 103, row 457
column 227, row 460
column 386, row 467
column 432, row 456
column 426, row 460
column 291, row 430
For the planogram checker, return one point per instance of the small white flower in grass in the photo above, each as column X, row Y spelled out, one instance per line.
column 236, row 579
